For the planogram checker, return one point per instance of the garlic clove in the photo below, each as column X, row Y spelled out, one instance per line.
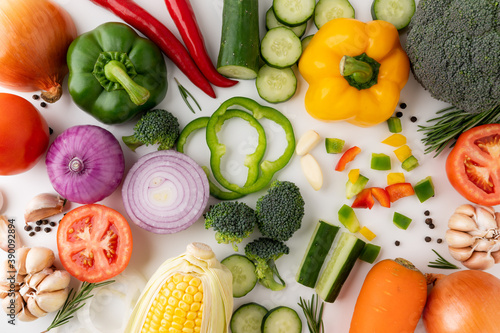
column 59, row 279
column 34, row 280
column 307, row 142
column 461, row 254
column 479, row 261
column 483, row 244
column 52, row 301
column 5, row 268
column 496, row 256
column 17, row 301
column 5, row 230
column 485, row 219
column 39, row 258
column 25, row 315
column 5, row 289
column 466, row 209
column 461, row 222
column 458, row 239
column 21, row 259
column 34, row 309
column 42, row 206
column 312, row 171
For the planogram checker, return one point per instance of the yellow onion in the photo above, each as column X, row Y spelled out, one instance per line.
column 34, row 38
column 463, row 302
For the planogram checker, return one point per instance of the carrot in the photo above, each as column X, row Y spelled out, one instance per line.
column 391, row 299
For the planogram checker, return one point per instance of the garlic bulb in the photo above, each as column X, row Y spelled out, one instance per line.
column 473, row 236
column 39, row 287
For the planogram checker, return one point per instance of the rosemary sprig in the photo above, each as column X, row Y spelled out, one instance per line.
column 441, row 263
column 450, row 123
column 74, row 302
column 185, row 95
column 314, row 314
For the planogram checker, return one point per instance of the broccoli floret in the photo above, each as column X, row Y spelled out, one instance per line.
column 155, row 127
column 264, row 252
column 280, row 210
column 454, row 51
column 232, row 221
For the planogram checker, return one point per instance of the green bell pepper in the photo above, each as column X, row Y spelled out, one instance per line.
column 114, row 74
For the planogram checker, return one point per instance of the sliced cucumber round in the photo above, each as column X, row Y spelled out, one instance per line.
column 397, row 12
column 280, row 47
column 248, row 318
column 276, row 85
column 282, row 320
column 243, row 270
column 327, row 10
column 305, row 42
column 272, row 22
column 295, row 12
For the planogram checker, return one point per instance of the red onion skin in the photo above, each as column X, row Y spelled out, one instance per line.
column 85, row 164
column 186, row 178
column 466, row 301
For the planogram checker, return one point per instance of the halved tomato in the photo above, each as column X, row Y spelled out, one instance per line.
column 94, row 243
column 473, row 165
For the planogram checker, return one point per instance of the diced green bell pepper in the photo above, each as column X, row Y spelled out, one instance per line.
column 334, row 145
column 410, row 163
column 354, row 189
column 401, row 221
column 394, row 124
column 348, row 218
column 370, row 253
column 424, row 189
column 380, row 162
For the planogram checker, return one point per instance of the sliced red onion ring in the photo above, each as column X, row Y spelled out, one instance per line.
column 165, row 192
column 85, row 164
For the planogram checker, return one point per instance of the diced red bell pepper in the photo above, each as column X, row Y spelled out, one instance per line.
column 382, row 196
column 364, row 199
column 399, row 190
column 347, row 157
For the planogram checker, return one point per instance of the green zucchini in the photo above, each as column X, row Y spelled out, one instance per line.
column 339, row 266
column 239, row 56
column 280, row 320
column 319, row 245
column 248, row 318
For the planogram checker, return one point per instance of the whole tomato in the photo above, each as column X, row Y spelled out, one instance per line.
column 24, row 135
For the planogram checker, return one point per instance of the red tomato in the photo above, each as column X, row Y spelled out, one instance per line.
column 473, row 166
column 94, row 243
column 24, row 135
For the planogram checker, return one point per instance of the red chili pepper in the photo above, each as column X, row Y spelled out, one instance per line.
column 159, row 34
column 364, row 199
column 399, row 190
column 183, row 16
column 382, row 196
column 347, row 157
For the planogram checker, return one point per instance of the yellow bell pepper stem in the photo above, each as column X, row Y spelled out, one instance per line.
column 359, row 70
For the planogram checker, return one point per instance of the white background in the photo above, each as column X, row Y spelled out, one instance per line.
column 150, row 250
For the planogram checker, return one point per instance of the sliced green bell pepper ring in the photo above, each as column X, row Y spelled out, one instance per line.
column 114, row 74
column 255, row 157
column 267, row 168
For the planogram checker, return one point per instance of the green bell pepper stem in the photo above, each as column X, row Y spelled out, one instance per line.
column 115, row 72
column 267, row 168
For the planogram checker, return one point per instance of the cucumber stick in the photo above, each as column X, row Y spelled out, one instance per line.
column 239, row 48
column 339, row 266
column 315, row 255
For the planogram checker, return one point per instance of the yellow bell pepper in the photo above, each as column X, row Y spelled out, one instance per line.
column 355, row 71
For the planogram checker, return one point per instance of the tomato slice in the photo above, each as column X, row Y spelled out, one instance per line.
column 473, row 165
column 94, row 243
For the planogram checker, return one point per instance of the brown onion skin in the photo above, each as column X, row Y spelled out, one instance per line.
column 466, row 301
column 39, row 61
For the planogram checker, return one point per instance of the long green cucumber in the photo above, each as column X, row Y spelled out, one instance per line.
column 239, row 48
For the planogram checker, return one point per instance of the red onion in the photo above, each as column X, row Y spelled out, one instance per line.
column 85, row 164
column 165, row 192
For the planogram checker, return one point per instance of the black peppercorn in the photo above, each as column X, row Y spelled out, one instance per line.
column 51, row 130
column 399, row 114
column 47, row 229
column 28, row 227
column 431, row 226
column 36, row 97
column 37, row 229
column 52, row 224
column 402, row 106
column 428, row 239
column 39, row 222
column 31, row 234
column 427, row 213
column 413, row 119
column 43, row 105
column 439, row 240
column 45, row 222
column 428, row 221
column 397, row 243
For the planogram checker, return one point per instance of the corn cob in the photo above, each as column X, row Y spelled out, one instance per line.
column 188, row 293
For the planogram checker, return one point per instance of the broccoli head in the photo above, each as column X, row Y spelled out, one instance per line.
column 264, row 252
column 454, row 51
column 232, row 221
column 280, row 211
column 155, row 127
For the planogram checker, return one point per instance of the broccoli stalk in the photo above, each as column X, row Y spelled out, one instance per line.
column 155, row 127
column 232, row 221
column 264, row 252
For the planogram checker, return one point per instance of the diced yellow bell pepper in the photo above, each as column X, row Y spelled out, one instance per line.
column 395, row 140
column 353, row 175
column 367, row 233
column 402, row 153
column 395, row 178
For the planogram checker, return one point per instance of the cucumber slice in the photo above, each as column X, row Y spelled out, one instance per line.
column 339, row 266
column 237, row 59
column 295, row 12
column 327, row 10
column 272, row 22
column 276, row 85
column 280, row 47
column 248, row 318
column 282, row 320
column 397, row 12
column 305, row 42
column 243, row 270
column 315, row 255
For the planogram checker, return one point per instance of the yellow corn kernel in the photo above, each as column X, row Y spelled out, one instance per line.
column 395, row 140
column 402, row 153
column 353, row 175
column 174, row 310
column 395, row 178
column 367, row 233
